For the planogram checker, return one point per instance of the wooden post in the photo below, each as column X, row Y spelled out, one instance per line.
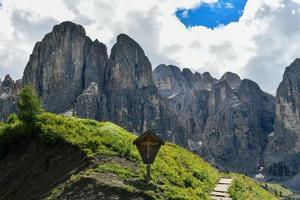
column 148, row 176
column 148, row 145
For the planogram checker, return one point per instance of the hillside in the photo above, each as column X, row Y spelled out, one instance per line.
column 71, row 158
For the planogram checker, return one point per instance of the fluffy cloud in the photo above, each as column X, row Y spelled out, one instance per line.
column 259, row 46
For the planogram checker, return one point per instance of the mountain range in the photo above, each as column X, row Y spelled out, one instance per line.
column 230, row 122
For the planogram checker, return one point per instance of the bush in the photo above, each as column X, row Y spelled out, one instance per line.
column 12, row 118
column 29, row 104
column 201, row 175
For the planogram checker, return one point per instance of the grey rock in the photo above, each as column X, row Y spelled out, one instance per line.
column 131, row 96
column 232, row 79
column 86, row 103
column 56, row 66
column 129, row 67
column 70, row 72
column 238, row 126
column 227, row 121
column 169, row 80
column 282, row 158
column 95, row 64
column 188, row 93
column 8, row 96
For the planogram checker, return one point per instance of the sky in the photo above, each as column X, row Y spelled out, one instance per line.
column 212, row 15
column 256, row 39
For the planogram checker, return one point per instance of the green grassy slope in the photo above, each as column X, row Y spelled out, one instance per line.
column 245, row 188
column 176, row 173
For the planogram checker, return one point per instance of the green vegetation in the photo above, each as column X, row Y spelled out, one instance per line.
column 122, row 171
column 277, row 189
column 246, row 188
column 176, row 173
column 29, row 104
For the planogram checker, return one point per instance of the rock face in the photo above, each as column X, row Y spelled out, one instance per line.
column 188, row 94
column 87, row 102
column 70, row 72
column 63, row 64
column 8, row 94
column 232, row 79
column 237, row 127
column 131, row 97
column 282, row 158
column 228, row 120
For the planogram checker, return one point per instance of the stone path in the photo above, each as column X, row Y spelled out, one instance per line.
column 221, row 190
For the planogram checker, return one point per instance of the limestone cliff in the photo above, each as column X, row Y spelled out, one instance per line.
column 282, row 158
column 72, row 73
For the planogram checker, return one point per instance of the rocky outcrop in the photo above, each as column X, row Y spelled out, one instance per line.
column 232, row 79
column 72, row 73
column 188, row 93
column 87, row 102
column 8, row 96
column 237, row 127
column 282, row 159
column 227, row 120
column 128, row 67
column 63, row 64
column 131, row 97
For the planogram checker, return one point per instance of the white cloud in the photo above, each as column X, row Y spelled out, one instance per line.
column 229, row 5
column 246, row 47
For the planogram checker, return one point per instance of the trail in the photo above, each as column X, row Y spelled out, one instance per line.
column 221, row 190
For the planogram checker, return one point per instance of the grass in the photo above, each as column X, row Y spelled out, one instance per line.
column 246, row 188
column 121, row 171
column 176, row 172
column 277, row 189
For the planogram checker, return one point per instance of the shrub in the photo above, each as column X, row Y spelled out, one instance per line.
column 12, row 118
column 29, row 104
column 200, row 175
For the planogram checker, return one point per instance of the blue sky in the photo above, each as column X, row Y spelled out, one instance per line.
column 212, row 15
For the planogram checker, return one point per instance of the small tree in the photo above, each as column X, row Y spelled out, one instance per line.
column 29, row 104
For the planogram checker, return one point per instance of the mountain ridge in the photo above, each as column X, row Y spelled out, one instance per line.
column 227, row 121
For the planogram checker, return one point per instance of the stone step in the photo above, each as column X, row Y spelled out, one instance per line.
column 220, row 194
column 220, row 198
column 225, row 181
column 221, row 188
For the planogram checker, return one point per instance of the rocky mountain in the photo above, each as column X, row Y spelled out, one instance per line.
column 64, row 63
column 238, row 125
column 8, row 93
column 228, row 120
column 282, row 158
column 187, row 93
column 72, row 73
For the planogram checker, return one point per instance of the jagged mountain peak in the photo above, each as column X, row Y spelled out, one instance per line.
column 293, row 70
column 233, row 79
column 126, row 39
column 129, row 67
column 249, row 85
column 58, row 65
column 7, row 82
column 230, row 75
column 69, row 26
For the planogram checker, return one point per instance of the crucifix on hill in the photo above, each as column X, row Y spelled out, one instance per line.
column 148, row 145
